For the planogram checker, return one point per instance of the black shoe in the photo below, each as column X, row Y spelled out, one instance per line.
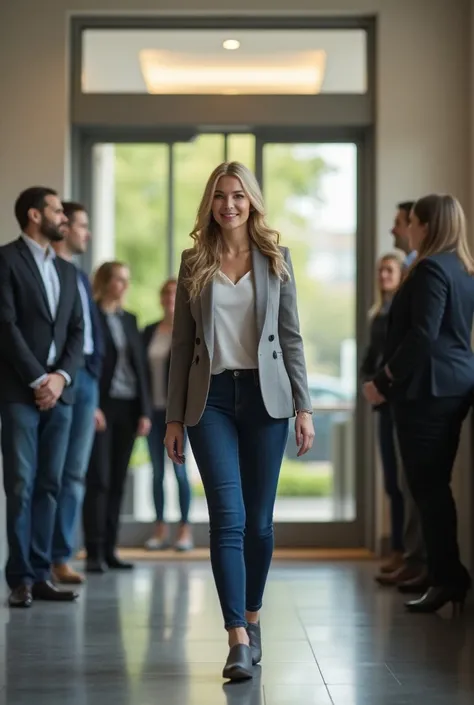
column 115, row 563
column 437, row 597
column 21, row 596
column 255, row 637
column 45, row 590
column 238, row 666
column 96, row 565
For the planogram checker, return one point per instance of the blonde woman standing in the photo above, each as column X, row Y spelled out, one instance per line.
column 237, row 375
column 389, row 274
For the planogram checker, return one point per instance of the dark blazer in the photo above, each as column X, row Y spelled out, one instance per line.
column 428, row 348
column 27, row 328
column 374, row 353
column 135, row 349
column 147, row 336
column 93, row 363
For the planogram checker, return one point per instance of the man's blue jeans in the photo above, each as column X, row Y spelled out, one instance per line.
column 79, row 448
column 239, row 448
column 34, row 446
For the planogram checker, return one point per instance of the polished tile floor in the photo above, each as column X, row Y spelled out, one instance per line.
column 155, row 636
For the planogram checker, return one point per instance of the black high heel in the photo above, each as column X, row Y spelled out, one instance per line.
column 435, row 598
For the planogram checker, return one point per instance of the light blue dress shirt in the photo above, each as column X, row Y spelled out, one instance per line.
column 44, row 260
column 409, row 259
column 88, row 334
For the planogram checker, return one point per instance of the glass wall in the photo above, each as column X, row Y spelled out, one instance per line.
column 146, row 199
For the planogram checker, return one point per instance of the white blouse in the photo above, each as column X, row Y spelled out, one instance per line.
column 235, row 327
column 158, row 355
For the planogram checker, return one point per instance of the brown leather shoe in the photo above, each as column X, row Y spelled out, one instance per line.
column 393, row 563
column 47, row 591
column 416, row 586
column 65, row 575
column 21, row 596
column 398, row 576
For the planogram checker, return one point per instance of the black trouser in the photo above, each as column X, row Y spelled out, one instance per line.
column 106, row 477
column 429, row 431
column 388, row 454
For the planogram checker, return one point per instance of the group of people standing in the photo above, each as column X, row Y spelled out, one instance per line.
column 418, row 373
column 80, row 383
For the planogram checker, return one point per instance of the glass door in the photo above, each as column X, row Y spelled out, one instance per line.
column 310, row 191
column 144, row 200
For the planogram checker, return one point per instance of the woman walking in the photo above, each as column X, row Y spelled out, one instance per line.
column 237, row 375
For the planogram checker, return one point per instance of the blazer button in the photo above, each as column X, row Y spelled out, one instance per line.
column 275, row 355
column 198, row 341
column 271, row 338
column 197, row 359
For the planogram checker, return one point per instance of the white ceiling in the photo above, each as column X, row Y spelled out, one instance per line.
column 111, row 57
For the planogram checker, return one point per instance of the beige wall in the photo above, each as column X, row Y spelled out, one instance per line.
column 424, row 95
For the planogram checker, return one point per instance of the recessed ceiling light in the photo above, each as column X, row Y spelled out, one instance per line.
column 231, row 44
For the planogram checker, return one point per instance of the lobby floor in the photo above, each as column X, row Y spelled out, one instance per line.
column 155, row 636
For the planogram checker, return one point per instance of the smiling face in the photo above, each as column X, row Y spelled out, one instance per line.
column 230, row 205
column 118, row 284
column 389, row 274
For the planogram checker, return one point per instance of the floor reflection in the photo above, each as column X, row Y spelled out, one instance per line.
column 330, row 637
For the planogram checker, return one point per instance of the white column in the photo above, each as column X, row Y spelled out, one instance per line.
column 103, row 225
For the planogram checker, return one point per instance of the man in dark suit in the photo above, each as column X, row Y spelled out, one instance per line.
column 41, row 349
column 86, row 414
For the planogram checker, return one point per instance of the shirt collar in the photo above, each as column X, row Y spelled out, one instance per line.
column 46, row 252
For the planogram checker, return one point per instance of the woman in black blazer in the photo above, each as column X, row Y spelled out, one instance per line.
column 157, row 344
column 389, row 272
column 124, row 414
column 428, row 376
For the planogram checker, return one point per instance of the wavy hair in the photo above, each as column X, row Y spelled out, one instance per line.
column 446, row 228
column 204, row 259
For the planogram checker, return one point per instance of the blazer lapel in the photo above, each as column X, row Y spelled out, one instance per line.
column 260, row 277
column 207, row 313
column 62, row 285
column 29, row 259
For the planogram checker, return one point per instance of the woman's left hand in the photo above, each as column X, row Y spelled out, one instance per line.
column 304, row 431
column 372, row 394
column 144, row 426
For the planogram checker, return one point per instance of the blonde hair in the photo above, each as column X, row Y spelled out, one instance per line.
column 102, row 278
column 379, row 299
column 204, row 259
column 446, row 228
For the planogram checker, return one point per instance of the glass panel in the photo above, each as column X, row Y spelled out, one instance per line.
column 225, row 62
column 131, row 217
column 311, row 197
column 193, row 164
column 241, row 148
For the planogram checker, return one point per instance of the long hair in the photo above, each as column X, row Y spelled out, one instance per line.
column 446, row 228
column 204, row 259
column 102, row 278
column 379, row 298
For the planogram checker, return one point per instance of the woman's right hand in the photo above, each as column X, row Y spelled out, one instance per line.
column 174, row 442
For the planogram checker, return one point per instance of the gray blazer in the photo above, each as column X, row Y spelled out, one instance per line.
column 281, row 364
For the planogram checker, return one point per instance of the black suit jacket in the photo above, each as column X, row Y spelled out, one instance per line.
column 147, row 336
column 27, row 328
column 428, row 348
column 137, row 359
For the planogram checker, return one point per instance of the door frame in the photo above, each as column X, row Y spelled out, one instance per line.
column 354, row 534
